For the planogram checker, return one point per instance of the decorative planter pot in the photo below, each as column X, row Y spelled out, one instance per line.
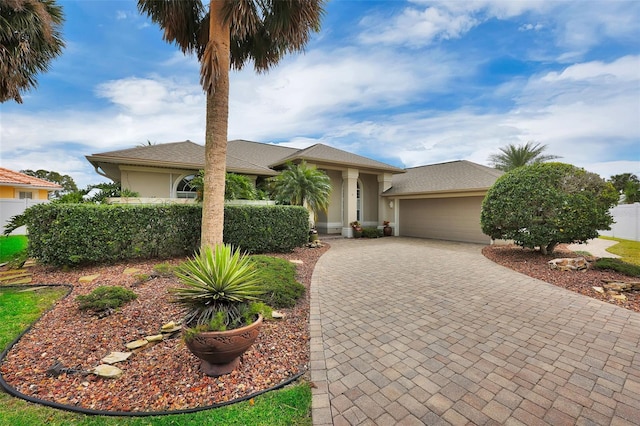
column 219, row 351
column 357, row 232
column 388, row 231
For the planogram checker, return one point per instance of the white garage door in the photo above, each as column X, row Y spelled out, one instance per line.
column 453, row 219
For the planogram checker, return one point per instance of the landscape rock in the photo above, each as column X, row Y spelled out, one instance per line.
column 137, row 344
column 88, row 278
column 277, row 315
column 154, row 338
column 108, row 371
column 569, row 264
column 114, row 357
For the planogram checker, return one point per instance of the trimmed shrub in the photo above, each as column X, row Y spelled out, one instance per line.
column 371, row 232
column 617, row 265
column 546, row 204
column 69, row 234
column 74, row 234
column 105, row 298
column 264, row 229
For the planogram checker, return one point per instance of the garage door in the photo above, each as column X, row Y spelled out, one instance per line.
column 453, row 219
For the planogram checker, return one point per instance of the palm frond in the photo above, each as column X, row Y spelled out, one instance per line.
column 216, row 280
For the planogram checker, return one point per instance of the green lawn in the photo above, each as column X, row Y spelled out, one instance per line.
column 289, row 406
column 628, row 250
column 11, row 245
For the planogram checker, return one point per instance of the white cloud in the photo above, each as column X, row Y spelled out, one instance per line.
column 310, row 94
column 575, row 26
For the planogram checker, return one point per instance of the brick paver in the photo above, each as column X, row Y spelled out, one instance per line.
column 410, row 331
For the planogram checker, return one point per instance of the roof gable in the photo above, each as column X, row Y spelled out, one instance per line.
column 320, row 153
column 9, row 177
column 454, row 176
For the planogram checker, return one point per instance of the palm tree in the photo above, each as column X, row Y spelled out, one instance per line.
column 303, row 185
column 230, row 34
column 29, row 40
column 514, row 156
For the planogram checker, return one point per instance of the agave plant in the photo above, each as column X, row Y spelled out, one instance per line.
column 219, row 282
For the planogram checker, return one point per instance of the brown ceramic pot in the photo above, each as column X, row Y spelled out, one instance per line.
column 219, row 351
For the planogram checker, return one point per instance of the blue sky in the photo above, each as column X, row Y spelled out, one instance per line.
column 406, row 83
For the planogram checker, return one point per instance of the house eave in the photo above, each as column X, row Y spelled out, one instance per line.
column 476, row 192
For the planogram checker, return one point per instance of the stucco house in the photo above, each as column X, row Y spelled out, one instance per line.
column 437, row 201
column 19, row 191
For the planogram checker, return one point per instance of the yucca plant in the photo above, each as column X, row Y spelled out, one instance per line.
column 220, row 284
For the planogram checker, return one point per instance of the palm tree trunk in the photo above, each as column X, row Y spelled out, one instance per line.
column 216, row 132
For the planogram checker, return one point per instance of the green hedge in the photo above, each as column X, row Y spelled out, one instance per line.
column 263, row 229
column 68, row 234
column 71, row 234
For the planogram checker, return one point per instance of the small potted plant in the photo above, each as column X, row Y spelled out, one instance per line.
column 223, row 317
column 357, row 229
column 387, row 230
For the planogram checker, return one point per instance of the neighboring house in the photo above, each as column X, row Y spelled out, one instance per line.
column 365, row 190
column 19, row 191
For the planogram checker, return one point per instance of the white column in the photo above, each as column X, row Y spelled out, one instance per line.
column 384, row 211
column 349, row 205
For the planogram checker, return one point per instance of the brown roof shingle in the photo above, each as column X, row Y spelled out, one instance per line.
column 185, row 154
column 454, row 176
column 326, row 154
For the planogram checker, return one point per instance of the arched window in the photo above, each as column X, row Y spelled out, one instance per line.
column 184, row 189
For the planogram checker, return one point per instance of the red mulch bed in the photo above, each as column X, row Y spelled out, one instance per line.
column 161, row 377
column 534, row 264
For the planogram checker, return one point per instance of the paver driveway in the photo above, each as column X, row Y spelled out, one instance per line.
column 409, row 331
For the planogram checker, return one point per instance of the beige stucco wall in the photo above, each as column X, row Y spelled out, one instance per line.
column 152, row 183
column 331, row 222
column 369, row 196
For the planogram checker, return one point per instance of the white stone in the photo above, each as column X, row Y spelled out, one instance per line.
column 114, row 357
column 168, row 326
column 108, row 371
column 154, row 338
column 277, row 315
column 137, row 344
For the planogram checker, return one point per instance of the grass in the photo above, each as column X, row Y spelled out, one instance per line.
column 11, row 245
column 289, row 406
column 281, row 288
column 628, row 250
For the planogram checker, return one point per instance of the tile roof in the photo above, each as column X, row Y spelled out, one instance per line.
column 326, row 154
column 9, row 177
column 454, row 176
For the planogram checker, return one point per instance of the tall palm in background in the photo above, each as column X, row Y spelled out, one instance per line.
column 514, row 156
column 303, row 185
column 230, row 34
column 29, row 40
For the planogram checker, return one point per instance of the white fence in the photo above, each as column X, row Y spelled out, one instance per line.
column 10, row 207
column 627, row 222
